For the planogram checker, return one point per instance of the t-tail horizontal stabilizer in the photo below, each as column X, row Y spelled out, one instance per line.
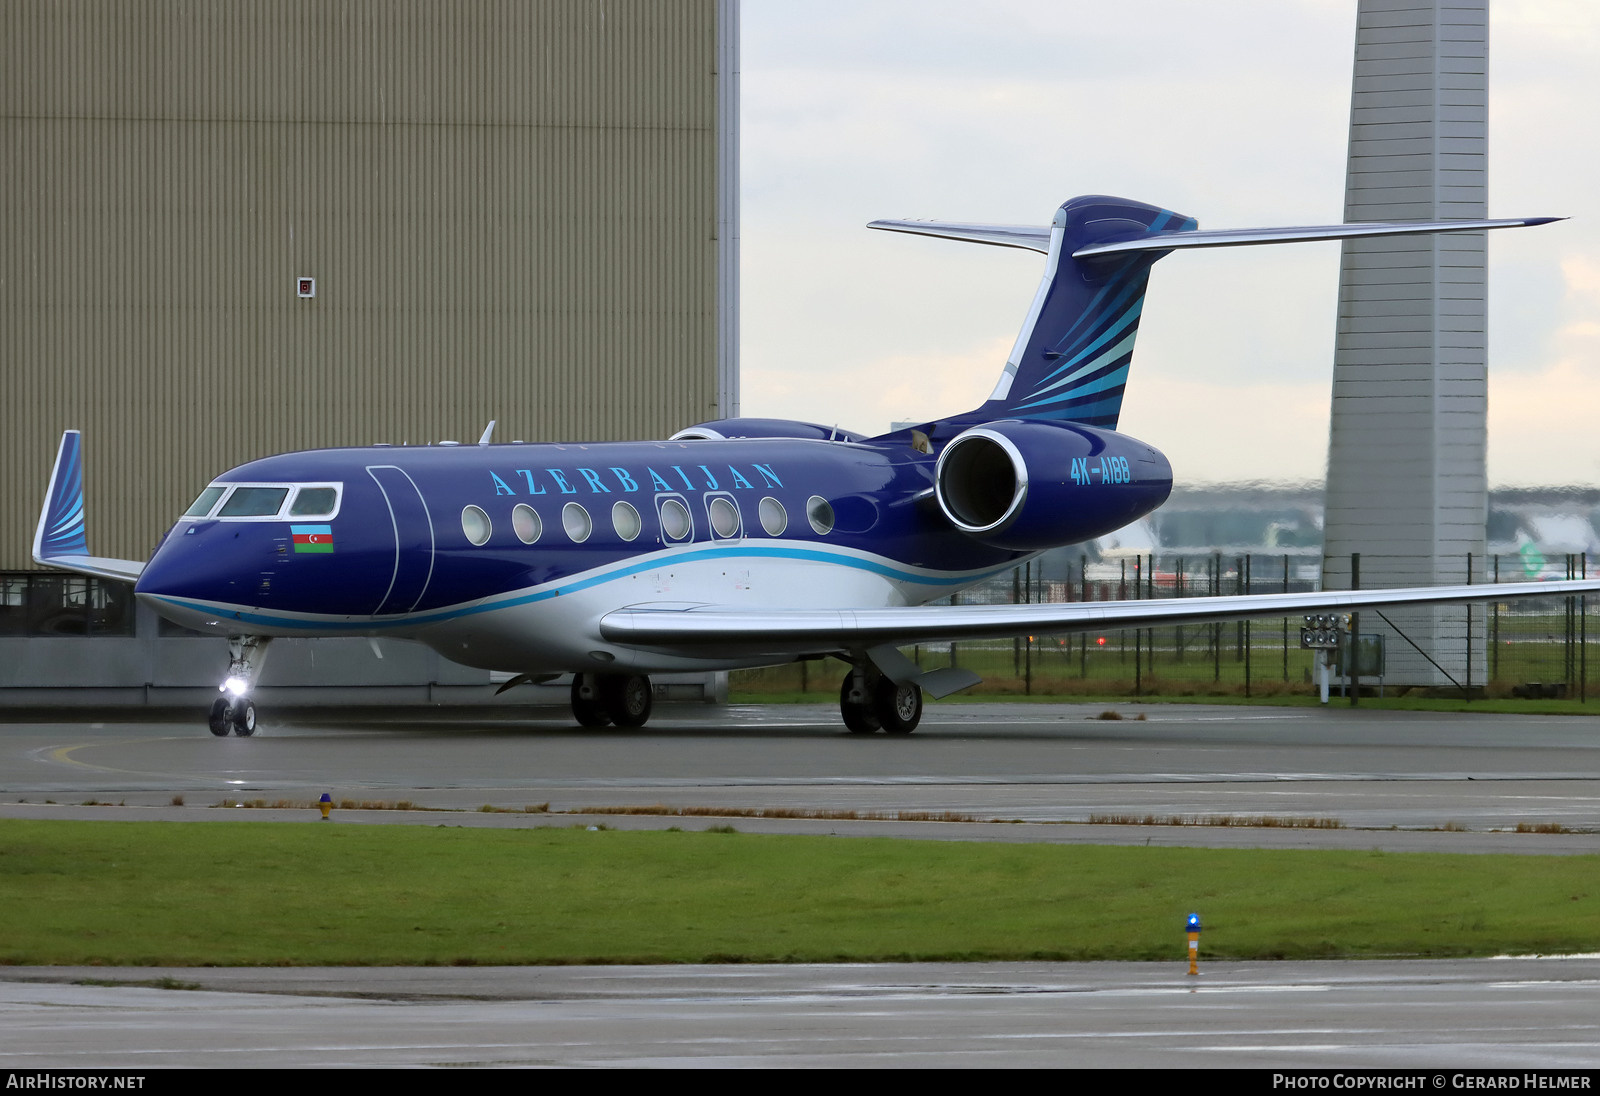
column 1037, row 237
column 1235, row 237
column 62, row 540
column 1071, row 358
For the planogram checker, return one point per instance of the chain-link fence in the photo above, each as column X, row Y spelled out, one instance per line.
column 1524, row 647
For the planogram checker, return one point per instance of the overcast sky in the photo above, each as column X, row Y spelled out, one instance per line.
column 1235, row 112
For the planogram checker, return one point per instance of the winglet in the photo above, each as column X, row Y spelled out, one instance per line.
column 61, row 529
column 61, row 539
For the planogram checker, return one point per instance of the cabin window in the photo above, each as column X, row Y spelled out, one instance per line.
column 525, row 523
column 625, row 519
column 314, row 502
column 575, row 520
column 724, row 516
column 820, row 514
column 675, row 521
column 774, row 518
column 254, row 502
column 202, row 505
column 475, row 524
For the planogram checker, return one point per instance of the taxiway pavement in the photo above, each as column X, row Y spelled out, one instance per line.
column 1436, row 1017
column 1394, row 780
column 1018, row 772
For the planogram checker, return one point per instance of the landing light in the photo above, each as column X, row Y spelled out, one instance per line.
column 235, row 685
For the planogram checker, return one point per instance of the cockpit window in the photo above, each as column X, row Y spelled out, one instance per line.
column 266, row 500
column 313, row 502
column 254, row 502
column 202, row 505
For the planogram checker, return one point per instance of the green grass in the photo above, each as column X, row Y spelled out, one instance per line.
column 262, row 893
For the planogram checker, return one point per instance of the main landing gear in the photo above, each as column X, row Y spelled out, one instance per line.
column 234, row 712
column 623, row 699
column 870, row 702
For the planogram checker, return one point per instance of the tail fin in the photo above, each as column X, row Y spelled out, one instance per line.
column 1071, row 358
column 1072, row 355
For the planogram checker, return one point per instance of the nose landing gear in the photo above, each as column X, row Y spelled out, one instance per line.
column 234, row 712
column 236, row 716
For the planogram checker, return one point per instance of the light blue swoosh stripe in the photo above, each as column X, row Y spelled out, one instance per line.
column 72, row 508
column 1128, row 317
column 561, row 589
column 1096, row 308
column 1104, row 358
column 1107, row 408
column 1111, row 380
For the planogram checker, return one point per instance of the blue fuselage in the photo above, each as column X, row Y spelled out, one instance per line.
column 506, row 556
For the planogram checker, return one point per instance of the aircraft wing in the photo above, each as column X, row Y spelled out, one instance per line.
column 723, row 630
column 117, row 570
column 61, row 539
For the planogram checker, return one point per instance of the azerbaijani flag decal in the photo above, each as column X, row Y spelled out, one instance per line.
column 312, row 538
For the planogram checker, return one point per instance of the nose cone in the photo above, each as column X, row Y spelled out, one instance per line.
column 196, row 577
column 260, row 573
column 183, row 568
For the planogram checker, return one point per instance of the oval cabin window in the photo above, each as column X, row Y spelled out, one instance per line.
column 525, row 523
column 675, row 523
column 724, row 516
column 774, row 519
column 625, row 519
column 575, row 520
column 475, row 524
column 820, row 514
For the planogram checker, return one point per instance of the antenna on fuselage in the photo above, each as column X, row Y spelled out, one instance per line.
column 487, row 431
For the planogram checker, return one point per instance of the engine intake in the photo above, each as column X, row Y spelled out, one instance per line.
column 1033, row 484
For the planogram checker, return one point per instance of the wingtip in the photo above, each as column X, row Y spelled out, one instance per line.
column 61, row 528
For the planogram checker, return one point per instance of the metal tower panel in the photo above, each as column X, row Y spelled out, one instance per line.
column 1407, row 486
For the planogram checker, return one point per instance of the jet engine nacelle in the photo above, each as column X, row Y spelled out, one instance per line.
column 1032, row 484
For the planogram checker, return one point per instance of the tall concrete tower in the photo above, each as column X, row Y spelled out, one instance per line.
column 1407, row 485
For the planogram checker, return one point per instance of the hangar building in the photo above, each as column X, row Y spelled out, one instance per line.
column 230, row 230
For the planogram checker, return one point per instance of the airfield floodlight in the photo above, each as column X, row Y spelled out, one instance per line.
column 1322, row 631
column 1192, row 925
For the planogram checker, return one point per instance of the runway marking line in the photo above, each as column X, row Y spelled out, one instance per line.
column 62, row 755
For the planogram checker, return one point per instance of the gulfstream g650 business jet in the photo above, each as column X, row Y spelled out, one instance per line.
column 741, row 542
